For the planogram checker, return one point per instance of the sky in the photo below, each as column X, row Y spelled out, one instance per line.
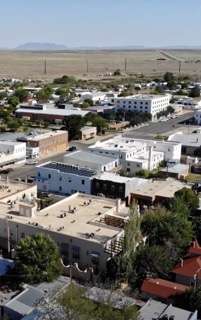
column 101, row 23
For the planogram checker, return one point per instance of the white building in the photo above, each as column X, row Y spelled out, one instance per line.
column 137, row 154
column 12, row 152
column 152, row 104
column 64, row 179
column 86, row 159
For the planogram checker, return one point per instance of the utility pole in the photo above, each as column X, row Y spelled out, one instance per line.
column 125, row 65
column 87, row 65
column 179, row 67
column 45, row 66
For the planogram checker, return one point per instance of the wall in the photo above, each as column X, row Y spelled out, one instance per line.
column 65, row 243
column 60, row 182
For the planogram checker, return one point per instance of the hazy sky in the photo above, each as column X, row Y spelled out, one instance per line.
column 101, row 22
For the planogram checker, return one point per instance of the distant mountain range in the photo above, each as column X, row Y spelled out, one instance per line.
column 39, row 46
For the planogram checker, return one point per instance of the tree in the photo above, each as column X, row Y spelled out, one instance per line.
column 190, row 300
column 44, row 94
column 168, row 229
column 96, row 121
column 13, row 101
column 38, row 259
column 150, row 260
column 189, row 197
column 168, row 77
column 195, row 92
column 77, row 306
column 117, row 72
column 65, row 80
column 21, row 94
column 132, row 239
column 73, row 124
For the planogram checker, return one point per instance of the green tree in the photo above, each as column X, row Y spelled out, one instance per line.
column 168, row 229
column 21, row 94
column 189, row 197
column 38, row 259
column 78, row 307
column 13, row 101
column 117, row 72
column 195, row 92
column 132, row 239
column 73, row 124
column 168, row 77
column 150, row 260
column 44, row 94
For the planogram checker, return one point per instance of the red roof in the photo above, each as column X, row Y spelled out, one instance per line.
column 195, row 249
column 162, row 288
column 189, row 267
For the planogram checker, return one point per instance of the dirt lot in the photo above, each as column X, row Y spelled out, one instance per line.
column 31, row 64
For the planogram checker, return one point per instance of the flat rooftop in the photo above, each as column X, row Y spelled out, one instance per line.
column 142, row 97
column 155, row 310
column 53, row 111
column 119, row 143
column 86, row 159
column 38, row 135
column 71, row 169
column 78, row 216
column 162, row 188
column 192, row 140
column 9, row 188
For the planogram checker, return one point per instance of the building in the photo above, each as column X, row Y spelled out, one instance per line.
column 161, row 289
column 138, row 154
column 64, row 179
column 151, row 104
column 177, row 171
column 87, row 229
column 12, row 152
column 23, row 304
column 47, row 112
column 157, row 310
column 188, row 271
column 114, row 186
column 157, row 191
column 171, row 149
column 87, row 133
column 190, row 142
column 91, row 160
column 43, row 143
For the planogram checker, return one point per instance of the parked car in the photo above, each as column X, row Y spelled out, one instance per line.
column 72, row 148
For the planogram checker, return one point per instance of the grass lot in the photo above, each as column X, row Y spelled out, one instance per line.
column 147, row 62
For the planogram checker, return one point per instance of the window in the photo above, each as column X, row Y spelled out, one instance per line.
column 128, row 170
column 49, row 176
column 75, row 252
column 39, row 174
column 83, row 181
column 60, row 178
column 60, row 188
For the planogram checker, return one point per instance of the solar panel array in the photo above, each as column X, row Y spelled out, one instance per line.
column 62, row 167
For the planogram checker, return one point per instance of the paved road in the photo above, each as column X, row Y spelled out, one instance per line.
column 24, row 171
column 147, row 132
